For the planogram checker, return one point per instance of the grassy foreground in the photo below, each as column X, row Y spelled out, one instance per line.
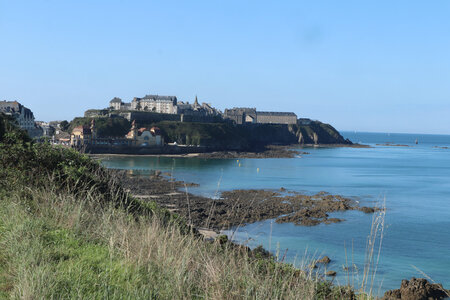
column 69, row 231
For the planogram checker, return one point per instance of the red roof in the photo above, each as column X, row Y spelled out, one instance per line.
column 154, row 131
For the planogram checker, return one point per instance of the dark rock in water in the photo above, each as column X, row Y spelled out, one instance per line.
column 331, row 273
column 367, row 210
column 324, row 260
column 417, row 289
column 332, row 220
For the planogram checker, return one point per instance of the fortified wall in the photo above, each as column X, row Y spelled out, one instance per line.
column 243, row 115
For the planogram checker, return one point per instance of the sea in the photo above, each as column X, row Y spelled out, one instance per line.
column 411, row 180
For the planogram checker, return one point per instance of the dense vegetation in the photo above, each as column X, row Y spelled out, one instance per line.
column 222, row 135
column 68, row 230
column 106, row 127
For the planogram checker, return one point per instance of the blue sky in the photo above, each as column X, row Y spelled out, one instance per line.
column 359, row 65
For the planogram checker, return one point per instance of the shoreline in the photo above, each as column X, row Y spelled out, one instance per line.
column 272, row 151
column 238, row 207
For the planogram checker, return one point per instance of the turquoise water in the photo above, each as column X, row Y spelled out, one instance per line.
column 414, row 181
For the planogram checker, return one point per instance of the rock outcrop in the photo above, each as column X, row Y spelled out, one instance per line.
column 417, row 289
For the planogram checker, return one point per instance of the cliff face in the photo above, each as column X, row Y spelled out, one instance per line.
column 249, row 137
column 314, row 133
column 319, row 133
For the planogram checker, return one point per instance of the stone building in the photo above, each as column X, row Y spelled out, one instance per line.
column 156, row 103
column 266, row 117
column 118, row 104
column 23, row 116
column 195, row 109
column 144, row 137
column 47, row 129
column 164, row 105
column 243, row 115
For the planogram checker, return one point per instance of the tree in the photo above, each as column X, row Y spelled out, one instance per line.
column 64, row 125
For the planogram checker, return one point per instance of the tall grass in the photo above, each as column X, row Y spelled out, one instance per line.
column 58, row 245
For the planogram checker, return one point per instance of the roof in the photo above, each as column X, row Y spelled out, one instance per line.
column 154, row 131
column 273, row 113
column 240, row 110
column 142, row 129
column 14, row 107
column 157, row 97
column 115, row 100
column 83, row 129
column 62, row 135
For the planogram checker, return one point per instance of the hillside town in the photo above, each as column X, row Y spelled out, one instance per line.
column 145, row 110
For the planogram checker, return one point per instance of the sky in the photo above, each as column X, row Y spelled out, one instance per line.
column 380, row 66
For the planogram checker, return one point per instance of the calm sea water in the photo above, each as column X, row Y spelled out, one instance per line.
column 414, row 181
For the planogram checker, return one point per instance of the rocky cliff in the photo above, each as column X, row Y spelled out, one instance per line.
column 225, row 135
column 250, row 137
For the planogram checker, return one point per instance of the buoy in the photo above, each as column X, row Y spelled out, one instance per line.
column 239, row 164
column 257, row 170
column 237, row 160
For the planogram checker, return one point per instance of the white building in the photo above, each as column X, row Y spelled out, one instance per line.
column 144, row 137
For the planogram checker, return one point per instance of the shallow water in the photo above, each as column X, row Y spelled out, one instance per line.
column 414, row 181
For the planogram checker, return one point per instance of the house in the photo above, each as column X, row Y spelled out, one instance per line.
column 117, row 104
column 47, row 129
column 144, row 137
column 83, row 135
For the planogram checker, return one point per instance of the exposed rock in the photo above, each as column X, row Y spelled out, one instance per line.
column 266, row 152
column 368, row 210
column 417, row 289
column 239, row 206
column 324, row 260
column 333, row 220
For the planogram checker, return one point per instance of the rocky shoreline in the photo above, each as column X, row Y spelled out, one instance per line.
column 267, row 152
column 272, row 151
column 238, row 207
